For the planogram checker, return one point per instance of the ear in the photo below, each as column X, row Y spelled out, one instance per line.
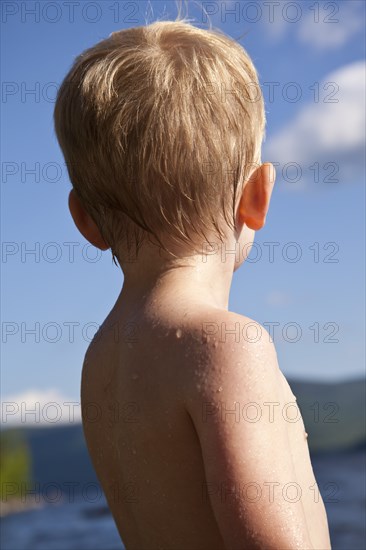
column 256, row 195
column 85, row 223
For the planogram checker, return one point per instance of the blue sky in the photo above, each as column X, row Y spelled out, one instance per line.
column 310, row 59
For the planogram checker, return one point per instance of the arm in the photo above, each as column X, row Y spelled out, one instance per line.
column 246, row 456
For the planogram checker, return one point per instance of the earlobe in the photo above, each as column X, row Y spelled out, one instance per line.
column 85, row 223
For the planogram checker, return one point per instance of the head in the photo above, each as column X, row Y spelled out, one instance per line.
column 161, row 128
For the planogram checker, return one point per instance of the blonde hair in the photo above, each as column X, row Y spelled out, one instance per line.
column 159, row 126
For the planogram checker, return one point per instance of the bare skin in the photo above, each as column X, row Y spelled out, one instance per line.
column 193, row 430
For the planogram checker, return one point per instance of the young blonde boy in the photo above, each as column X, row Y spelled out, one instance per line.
column 192, row 429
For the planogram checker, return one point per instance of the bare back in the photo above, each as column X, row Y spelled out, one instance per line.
column 145, row 446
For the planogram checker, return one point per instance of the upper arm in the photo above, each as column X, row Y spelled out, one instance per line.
column 235, row 402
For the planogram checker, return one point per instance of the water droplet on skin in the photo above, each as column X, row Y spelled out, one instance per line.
column 134, row 377
column 220, row 389
column 306, row 435
column 133, row 451
column 216, row 344
column 178, row 333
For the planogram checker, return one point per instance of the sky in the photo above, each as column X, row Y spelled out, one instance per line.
column 304, row 277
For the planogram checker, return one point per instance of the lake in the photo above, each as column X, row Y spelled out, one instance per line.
column 89, row 526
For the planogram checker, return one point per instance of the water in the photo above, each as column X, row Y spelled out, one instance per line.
column 341, row 478
column 62, row 526
column 88, row 526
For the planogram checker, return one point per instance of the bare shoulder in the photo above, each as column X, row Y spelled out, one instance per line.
column 231, row 353
column 231, row 392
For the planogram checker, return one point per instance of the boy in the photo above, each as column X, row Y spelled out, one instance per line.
column 188, row 420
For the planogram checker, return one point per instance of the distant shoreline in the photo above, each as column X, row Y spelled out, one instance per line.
column 16, row 505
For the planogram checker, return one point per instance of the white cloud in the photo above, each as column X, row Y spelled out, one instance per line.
column 328, row 132
column 275, row 24
column 278, row 298
column 318, row 25
column 337, row 24
column 39, row 407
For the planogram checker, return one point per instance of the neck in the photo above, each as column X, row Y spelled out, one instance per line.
column 195, row 277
